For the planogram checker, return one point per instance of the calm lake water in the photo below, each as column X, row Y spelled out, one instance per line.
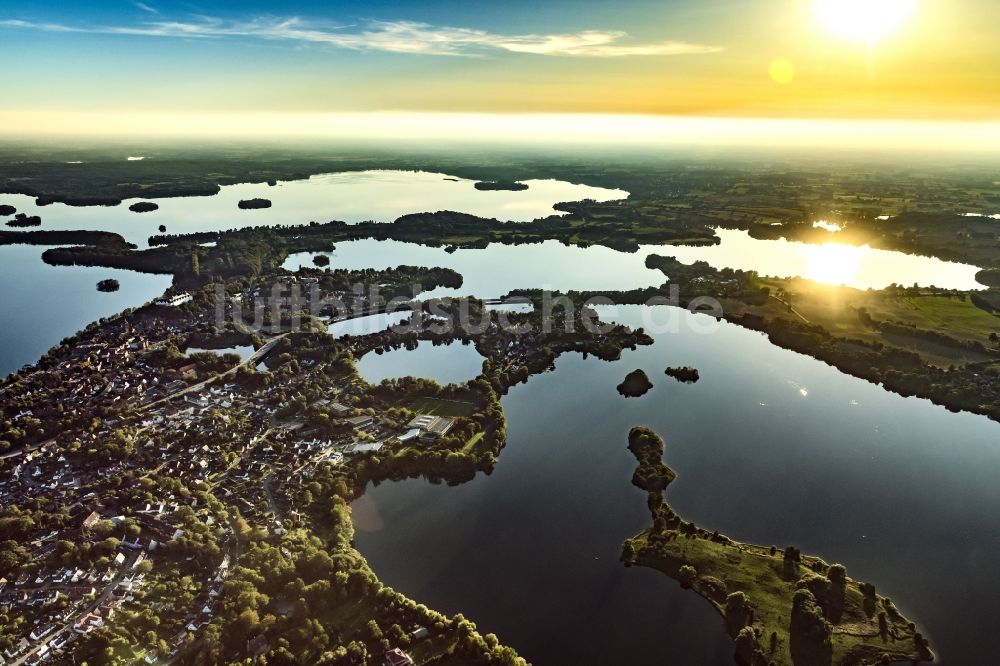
column 353, row 197
column 446, row 364
column 770, row 447
column 383, row 196
column 44, row 304
column 243, row 351
column 368, row 324
column 499, row 268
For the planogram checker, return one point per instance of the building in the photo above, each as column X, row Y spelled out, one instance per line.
column 91, row 520
column 362, row 421
column 412, row 433
column 431, row 427
column 338, row 409
column 366, row 447
column 397, row 658
column 174, row 301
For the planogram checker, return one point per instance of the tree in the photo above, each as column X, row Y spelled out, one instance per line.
column 687, row 575
column 738, row 612
column 746, row 642
column 809, row 630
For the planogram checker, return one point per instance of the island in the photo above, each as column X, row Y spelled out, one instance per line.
column 6, row 210
column 163, row 228
column 508, row 185
column 108, row 285
column 321, row 260
column 636, row 384
column 143, row 207
column 253, row 204
column 780, row 607
column 23, row 221
column 684, row 374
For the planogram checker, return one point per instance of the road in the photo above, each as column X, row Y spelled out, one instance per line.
column 253, row 359
column 791, row 309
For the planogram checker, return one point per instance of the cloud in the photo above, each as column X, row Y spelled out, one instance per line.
column 393, row 37
column 146, row 8
column 47, row 27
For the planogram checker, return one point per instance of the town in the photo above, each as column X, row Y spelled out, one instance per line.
column 150, row 491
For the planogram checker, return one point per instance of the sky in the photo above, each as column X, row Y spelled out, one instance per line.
column 127, row 64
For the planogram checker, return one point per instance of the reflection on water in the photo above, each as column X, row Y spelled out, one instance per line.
column 494, row 271
column 770, row 447
column 511, row 307
column 497, row 269
column 367, row 324
column 44, row 304
column 446, row 364
column 243, row 351
column 829, row 226
column 832, row 263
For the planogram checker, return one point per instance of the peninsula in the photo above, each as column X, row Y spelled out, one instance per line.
column 780, row 607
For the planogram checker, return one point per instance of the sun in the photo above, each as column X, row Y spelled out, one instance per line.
column 865, row 21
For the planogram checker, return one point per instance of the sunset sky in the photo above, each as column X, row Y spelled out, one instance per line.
column 914, row 60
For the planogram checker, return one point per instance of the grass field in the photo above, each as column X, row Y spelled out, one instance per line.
column 770, row 584
column 837, row 309
column 438, row 407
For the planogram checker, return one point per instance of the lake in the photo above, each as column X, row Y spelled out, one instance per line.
column 497, row 269
column 355, row 196
column 45, row 304
column 770, row 447
column 446, row 364
column 383, row 196
column 243, row 351
column 368, row 323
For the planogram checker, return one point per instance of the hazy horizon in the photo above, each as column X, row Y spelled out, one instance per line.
column 907, row 73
